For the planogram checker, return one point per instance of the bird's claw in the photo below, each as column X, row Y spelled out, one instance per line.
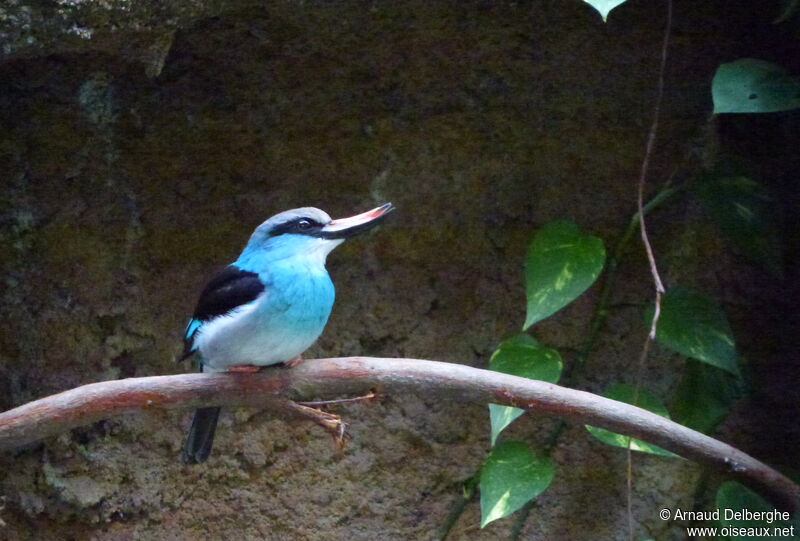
column 293, row 362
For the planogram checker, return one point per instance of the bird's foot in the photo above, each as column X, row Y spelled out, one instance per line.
column 333, row 424
column 293, row 362
column 244, row 368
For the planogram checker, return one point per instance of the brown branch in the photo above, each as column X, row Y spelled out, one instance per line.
column 276, row 388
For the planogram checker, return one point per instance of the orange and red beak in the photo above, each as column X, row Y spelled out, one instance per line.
column 344, row 228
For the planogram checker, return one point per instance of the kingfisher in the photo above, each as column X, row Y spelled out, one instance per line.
column 269, row 305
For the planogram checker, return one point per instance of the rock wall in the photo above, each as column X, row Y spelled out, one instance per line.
column 141, row 144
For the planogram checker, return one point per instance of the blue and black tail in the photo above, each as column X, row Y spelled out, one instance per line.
column 200, row 438
column 198, row 442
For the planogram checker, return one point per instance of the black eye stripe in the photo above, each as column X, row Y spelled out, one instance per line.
column 310, row 221
column 303, row 225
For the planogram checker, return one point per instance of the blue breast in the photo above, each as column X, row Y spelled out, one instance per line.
column 299, row 297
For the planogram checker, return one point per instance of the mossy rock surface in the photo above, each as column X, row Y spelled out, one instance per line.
column 136, row 162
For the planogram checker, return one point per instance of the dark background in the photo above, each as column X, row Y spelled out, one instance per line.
column 136, row 163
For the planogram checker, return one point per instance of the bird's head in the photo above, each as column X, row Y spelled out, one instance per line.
column 306, row 232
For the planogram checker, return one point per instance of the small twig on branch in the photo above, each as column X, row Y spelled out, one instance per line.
column 316, row 403
column 276, row 389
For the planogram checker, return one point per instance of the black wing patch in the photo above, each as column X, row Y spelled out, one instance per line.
column 228, row 290
column 231, row 288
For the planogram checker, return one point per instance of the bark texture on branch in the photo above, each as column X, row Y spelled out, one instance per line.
column 275, row 388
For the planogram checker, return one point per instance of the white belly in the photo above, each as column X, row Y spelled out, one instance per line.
column 249, row 335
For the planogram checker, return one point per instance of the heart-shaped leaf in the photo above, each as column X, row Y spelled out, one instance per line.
column 790, row 9
column 502, row 416
column 561, row 263
column 704, row 396
column 744, row 212
column 693, row 324
column 511, row 476
column 733, row 499
column 604, row 6
column 749, row 85
column 625, row 392
column 521, row 355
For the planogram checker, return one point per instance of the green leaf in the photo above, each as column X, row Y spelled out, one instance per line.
column 748, row 85
column 704, row 396
column 734, row 498
column 693, row 324
column 744, row 212
column 511, row 476
column 790, row 9
column 625, row 392
column 604, row 6
column 521, row 355
column 502, row 416
column 561, row 263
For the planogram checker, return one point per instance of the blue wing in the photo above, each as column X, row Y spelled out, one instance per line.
column 231, row 288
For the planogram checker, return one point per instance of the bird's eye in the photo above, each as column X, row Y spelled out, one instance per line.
column 304, row 224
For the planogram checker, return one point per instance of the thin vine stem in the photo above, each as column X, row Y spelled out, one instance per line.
column 469, row 491
column 657, row 282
